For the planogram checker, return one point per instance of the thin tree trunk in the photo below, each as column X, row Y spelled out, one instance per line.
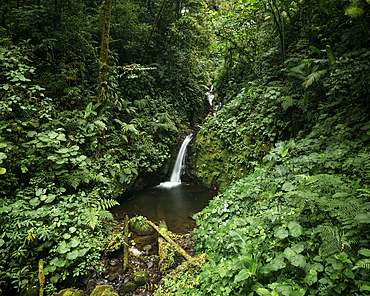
column 102, row 99
column 125, row 245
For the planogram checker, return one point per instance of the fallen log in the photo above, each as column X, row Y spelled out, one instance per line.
column 125, row 245
column 180, row 250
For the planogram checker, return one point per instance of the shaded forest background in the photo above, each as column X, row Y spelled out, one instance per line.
column 81, row 125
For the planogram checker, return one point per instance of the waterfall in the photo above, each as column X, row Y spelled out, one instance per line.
column 175, row 179
column 210, row 96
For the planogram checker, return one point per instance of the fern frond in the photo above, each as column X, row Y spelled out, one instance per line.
column 313, row 77
column 106, row 204
column 92, row 217
column 363, row 263
column 103, row 214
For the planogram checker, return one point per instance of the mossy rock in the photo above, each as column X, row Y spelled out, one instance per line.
column 128, row 287
column 70, row 292
column 33, row 291
column 139, row 226
column 104, row 290
column 141, row 278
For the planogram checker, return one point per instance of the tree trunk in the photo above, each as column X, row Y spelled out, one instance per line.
column 167, row 238
column 102, row 98
column 125, row 245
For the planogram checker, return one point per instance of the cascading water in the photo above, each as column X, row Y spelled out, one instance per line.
column 175, row 179
column 210, row 96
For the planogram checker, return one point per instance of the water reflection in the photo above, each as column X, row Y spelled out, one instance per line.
column 176, row 205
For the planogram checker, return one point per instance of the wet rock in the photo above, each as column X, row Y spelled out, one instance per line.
column 114, row 262
column 150, row 264
column 90, row 286
column 147, row 249
column 70, row 292
column 113, row 277
column 140, row 278
column 104, row 290
column 33, row 291
column 139, row 226
column 127, row 287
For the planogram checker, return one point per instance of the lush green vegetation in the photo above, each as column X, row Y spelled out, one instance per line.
column 79, row 125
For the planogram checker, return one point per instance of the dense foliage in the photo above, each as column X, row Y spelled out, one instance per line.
column 289, row 148
column 78, row 128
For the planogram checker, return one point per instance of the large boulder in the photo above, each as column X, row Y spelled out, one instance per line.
column 140, row 226
column 127, row 287
column 104, row 290
column 141, row 278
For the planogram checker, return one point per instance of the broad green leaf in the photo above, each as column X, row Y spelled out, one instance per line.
column 263, row 291
column 1, row 242
column 31, row 133
column 242, row 275
column 50, row 198
column 35, row 202
column 311, row 277
column 82, row 252
column 75, row 242
column 365, row 252
column 281, row 233
column 298, row 248
column 55, row 278
column 253, row 266
column 298, row 260
column 338, row 265
column 238, row 239
column 284, row 290
column 63, row 248
column 62, row 150
column 2, row 155
column 52, row 135
column 2, row 171
column 295, row 230
column 289, row 253
column 72, row 255
column 72, row 229
column 61, row 137
column 127, row 171
column 66, row 236
column 53, row 157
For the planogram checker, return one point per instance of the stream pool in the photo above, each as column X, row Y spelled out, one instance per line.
column 176, row 205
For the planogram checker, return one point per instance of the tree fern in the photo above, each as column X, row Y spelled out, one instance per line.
column 331, row 56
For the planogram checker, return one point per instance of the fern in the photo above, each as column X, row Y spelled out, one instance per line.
column 92, row 217
column 363, row 263
column 103, row 214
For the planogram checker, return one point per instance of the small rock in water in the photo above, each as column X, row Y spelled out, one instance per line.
column 114, row 262
column 127, row 287
column 150, row 264
column 135, row 251
column 147, row 249
column 141, row 278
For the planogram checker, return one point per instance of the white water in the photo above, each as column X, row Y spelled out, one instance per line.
column 210, row 96
column 175, row 179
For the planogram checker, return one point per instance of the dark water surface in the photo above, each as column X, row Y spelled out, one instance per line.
column 176, row 205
